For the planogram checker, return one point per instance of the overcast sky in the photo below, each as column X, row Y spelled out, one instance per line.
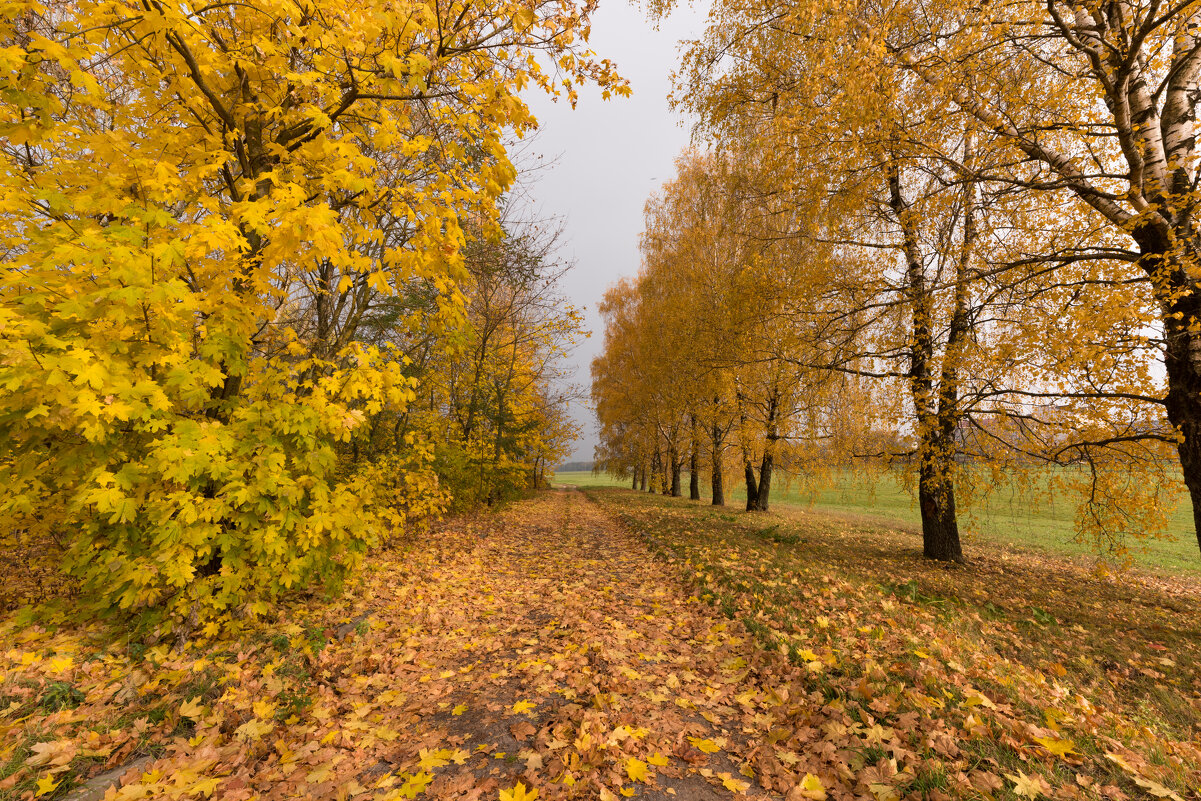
column 608, row 156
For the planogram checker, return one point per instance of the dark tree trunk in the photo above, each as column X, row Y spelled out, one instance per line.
column 763, row 494
column 655, row 468
column 676, row 466
column 1182, row 359
column 694, row 477
column 634, row 482
column 642, row 483
column 752, row 486
column 936, row 499
column 716, row 481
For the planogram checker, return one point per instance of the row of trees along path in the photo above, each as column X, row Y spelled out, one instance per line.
column 934, row 232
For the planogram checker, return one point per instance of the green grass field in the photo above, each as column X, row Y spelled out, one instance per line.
column 1009, row 517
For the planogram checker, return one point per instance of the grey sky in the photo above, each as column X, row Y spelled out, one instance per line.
column 610, row 156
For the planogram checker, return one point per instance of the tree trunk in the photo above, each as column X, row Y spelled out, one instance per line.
column 763, row 493
column 936, row 476
column 752, row 486
column 936, row 499
column 716, row 478
column 655, row 467
column 1182, row 358
column 676, row 465
column 694, row 473
column 642, row 483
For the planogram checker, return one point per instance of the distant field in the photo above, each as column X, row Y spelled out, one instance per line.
column 581, row 479
column 1008, row 517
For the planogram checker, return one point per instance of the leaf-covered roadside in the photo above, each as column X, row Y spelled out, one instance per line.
column 1006, row 678
column 542, row 647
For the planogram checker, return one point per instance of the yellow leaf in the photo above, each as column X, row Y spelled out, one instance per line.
column 636, row 770
column 809, row 787
column 883, row 792
column 192, row 710
column 1027, row 786
column 253, row 729
column 433, row 759
column 732, row 784
column 1059, row 748
column 1156, row 789
column 204, row 786
column 459, row 710
column 708, row 746
column 658, row 760
column 978, row 699
column 46, row 784
column 522, row 706
column 518, row 793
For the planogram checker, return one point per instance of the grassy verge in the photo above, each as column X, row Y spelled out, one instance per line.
column 1016, row 676
column 1025, row 516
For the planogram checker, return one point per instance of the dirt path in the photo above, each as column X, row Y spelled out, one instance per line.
column 543, row 645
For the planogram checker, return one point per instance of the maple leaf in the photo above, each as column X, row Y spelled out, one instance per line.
column 522, row 707
column 49, row 753
column 459, row 710
column 193, row 709
column 1028, row 786
column 1060, row 748
column 732, row 784
column 518, row 793
column 787, row 757
column 1156, row 789
column 657, row 759
column 254, row 729
column 204, row 786
column 433, row 759
column 810, row 787
column 706, row 745
column 45, row 785
column 636, row 770
column 883, row 792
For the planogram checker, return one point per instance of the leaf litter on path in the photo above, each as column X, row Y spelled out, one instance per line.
column 542, row 646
